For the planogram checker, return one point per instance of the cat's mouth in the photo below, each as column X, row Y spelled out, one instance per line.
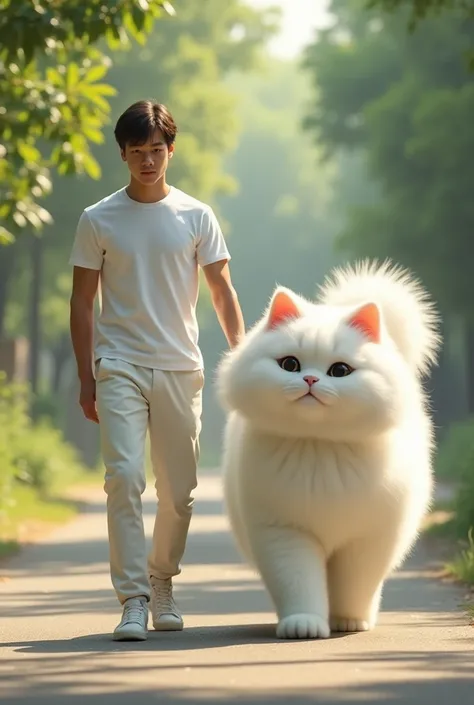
column 311, row 398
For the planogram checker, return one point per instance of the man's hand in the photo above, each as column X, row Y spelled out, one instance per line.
column 87, row 400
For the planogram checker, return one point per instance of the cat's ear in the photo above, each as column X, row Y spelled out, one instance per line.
column 283, row 307
column 367, row 320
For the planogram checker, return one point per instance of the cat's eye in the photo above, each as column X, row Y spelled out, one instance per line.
column 290, row 364
column 339, row 369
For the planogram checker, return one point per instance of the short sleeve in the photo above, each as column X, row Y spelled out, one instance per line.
column 211, row 245
column 86, row 250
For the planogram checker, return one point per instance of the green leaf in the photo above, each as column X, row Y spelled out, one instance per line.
column 102, row 89
column 72, row 76
column 93, row 135
column 6, row 237
column 91, row 167
column 98, row 100
column 29, row 153
column 53, row 77
column 138, row 18
column 95, row 73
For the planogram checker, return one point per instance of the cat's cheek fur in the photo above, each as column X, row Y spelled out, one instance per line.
column 251, row 389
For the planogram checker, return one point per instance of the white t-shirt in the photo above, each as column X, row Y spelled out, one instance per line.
column 148, row 255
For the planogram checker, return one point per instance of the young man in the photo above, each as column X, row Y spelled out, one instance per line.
column 144, row 244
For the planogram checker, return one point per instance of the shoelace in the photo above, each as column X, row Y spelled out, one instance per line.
column 163, row 594
column 133, row 613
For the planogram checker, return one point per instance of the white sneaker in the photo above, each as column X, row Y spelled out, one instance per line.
column 134, row 624
column 165, row 614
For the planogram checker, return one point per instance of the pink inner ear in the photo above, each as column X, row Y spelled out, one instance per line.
column 367, row 320
column 283, row 308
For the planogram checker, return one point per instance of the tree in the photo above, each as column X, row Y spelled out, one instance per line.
column 420, row 10
column 406, row 101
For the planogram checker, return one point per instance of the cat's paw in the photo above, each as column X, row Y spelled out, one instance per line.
column 303, row 626
column 344, row 624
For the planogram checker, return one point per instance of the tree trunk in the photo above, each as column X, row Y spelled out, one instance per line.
column 7, row 265
column 61, row 354
column 36, row 253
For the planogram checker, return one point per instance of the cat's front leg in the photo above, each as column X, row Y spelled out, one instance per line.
column 355, row 579
column 293, row 568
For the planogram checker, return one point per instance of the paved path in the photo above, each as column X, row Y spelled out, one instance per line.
column 57, row 611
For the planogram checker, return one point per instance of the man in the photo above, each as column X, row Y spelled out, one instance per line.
column 144, row 371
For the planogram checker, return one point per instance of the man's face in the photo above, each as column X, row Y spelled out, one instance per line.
column 148, row 162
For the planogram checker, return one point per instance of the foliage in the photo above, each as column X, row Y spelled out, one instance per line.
column 29, row 512
column 462, row 567
column 464, row 503
column 31, row 454
column 13, row 428
column 455, row 463
column 407, row 102
column 43, row 24
column 55, row 304
column 455, row 457
column 44, row 459
column 54, row 103
column 420, row 9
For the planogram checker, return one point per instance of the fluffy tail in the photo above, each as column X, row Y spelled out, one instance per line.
column 409, row 316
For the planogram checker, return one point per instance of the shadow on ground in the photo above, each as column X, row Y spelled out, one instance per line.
column 385, row 693
column 421, row 685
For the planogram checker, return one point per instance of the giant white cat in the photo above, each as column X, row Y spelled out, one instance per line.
column 328, row 444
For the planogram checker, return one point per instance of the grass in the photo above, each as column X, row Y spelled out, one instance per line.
column 462, row 566
column 33, row 514
column 442, row 525
column 8, row 548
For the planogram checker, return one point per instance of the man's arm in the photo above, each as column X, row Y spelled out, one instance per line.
column 84, row 290
column 225, row 301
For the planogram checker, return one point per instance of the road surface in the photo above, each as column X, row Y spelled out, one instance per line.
column 57, row 611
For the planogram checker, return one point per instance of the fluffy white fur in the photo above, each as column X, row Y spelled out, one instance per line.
column 326, row 485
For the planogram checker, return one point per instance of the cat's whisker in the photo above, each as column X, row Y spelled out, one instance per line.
column 330, row 396
column 294, row 394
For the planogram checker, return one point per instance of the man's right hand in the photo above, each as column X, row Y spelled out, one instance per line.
column 87, row 400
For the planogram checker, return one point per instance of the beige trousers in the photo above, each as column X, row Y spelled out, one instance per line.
column 132, row 400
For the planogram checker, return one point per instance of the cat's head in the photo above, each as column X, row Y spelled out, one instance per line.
column 317, row 371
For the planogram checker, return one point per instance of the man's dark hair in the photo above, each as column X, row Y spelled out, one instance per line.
column 138, row 123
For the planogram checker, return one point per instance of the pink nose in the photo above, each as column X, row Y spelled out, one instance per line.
column 310, row 380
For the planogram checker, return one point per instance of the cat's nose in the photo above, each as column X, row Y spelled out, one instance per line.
column 310, row 380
